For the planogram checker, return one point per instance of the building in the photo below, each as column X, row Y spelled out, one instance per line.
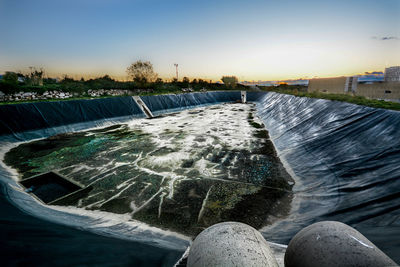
column 392, row 74
column 349, row 85
column 337, row 85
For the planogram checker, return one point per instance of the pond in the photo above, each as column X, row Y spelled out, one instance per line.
column 182, row 171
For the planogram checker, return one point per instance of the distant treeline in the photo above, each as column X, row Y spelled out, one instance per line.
column 17, row 83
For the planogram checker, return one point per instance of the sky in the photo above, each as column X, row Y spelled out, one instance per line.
column 253, row 39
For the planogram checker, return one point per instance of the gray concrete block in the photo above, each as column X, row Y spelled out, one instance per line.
column 333, row 244
column 230, row 244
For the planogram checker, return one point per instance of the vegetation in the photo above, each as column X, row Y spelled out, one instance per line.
column 299, row 90
column 142, row 72
column 144, row 81
column 230, row 81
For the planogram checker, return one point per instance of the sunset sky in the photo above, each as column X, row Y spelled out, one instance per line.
column 254, row 40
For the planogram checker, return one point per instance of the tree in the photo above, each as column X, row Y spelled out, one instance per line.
column 142, row 72
column 159, row 81
column 10, row 77
column 106, row 78
column 9, row 83
column 185, row 82
column 35, row 77
column 67, row 79
column 230, row 81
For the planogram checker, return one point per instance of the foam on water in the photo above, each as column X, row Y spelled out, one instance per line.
column 153, row 170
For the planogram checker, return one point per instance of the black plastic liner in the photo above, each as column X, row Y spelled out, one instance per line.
column 20, row 240
column 254, row 96
column 346, row 159
column 31, row 116
column 29, row 241
column 159, row 104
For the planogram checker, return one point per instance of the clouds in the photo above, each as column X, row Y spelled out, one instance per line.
column 385, row 38
column 373, row 73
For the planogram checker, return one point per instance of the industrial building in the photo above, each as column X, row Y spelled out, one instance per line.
column 392, row 74
column 387, row 90
column 337, row 85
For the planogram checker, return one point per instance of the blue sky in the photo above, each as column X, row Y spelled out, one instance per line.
column 254, row 40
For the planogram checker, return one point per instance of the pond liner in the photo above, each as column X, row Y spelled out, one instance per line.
column 27, row 240
column 16, row 118
column 344, row 159
column 160, row 104
column 28, row 121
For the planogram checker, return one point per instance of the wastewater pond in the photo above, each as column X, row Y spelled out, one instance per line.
column 183, row 171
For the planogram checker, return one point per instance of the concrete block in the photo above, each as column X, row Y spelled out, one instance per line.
column 230, row 244
column 331, row 243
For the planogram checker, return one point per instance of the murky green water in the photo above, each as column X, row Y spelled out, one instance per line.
column 184, row 171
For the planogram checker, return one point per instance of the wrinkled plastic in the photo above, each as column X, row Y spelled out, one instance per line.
column 24, row 117
column 160, row 104
column 24, row 122
column 346, row 161
column 254, row 96
column 30, row 241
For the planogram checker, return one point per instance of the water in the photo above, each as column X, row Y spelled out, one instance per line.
column 182, row 172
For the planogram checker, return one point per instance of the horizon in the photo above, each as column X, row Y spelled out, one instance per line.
column 255, row 40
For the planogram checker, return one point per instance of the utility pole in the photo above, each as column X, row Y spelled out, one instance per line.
column 176, row 66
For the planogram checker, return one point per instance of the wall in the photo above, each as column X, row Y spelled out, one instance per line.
column 327, row 85
column 377, row 90
column 392, row 74
column 339, row 85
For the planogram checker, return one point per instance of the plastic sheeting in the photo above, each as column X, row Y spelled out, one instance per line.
column 344, row 158
column 24, row 122
column 346, row 161
column 160, row 104
column 32, row 116
column 255, row 96
column 28, row 241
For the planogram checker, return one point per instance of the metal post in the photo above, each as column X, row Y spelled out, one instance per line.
column 176, row 66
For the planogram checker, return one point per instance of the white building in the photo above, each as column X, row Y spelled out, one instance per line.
column 392, row 74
